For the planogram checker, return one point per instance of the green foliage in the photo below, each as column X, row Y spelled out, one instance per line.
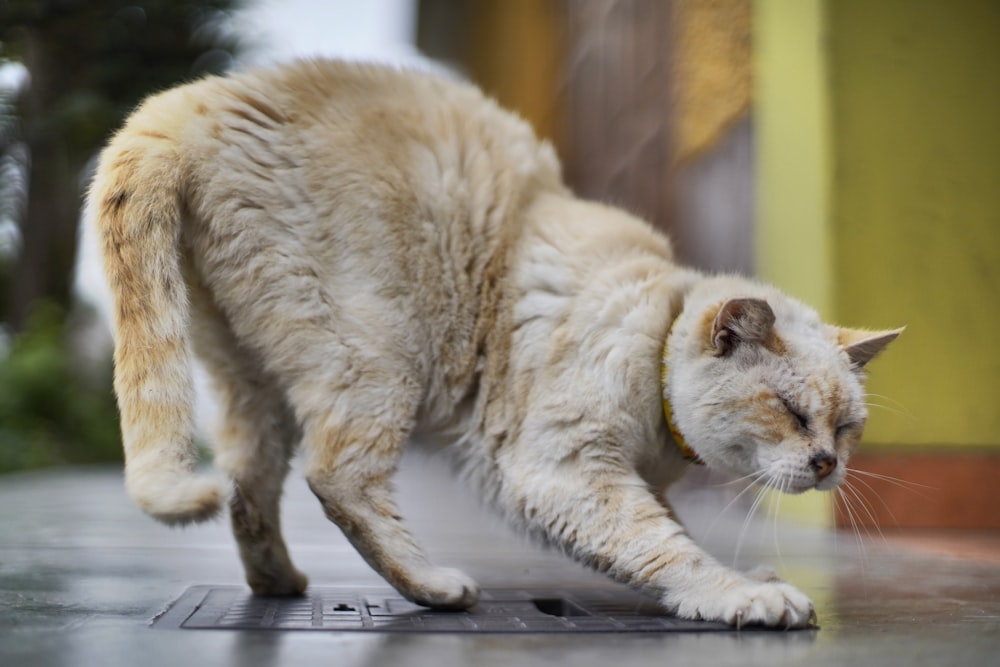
column 89, row 62
column 50, row 411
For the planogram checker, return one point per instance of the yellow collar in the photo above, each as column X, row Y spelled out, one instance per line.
column 686, row 451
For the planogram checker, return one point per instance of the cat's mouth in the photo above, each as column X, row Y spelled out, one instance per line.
column 828, row 483
column 800, row 480
column 795, row 474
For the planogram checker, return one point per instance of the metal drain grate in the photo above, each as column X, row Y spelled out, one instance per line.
column 382, row 610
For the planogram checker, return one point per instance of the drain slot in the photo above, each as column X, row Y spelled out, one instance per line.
column 559, row 607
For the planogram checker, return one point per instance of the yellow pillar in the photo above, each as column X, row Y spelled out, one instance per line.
column 793, row 217
column 791, row 122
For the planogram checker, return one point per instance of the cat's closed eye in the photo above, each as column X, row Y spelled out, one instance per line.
column 845, row 428
column 800, row 417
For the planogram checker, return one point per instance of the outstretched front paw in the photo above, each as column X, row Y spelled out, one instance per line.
column 761, row 600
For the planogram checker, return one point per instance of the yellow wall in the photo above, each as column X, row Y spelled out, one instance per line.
column 915, row 90
column 879, row 194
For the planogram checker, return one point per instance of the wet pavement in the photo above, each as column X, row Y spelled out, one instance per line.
column 83, row 575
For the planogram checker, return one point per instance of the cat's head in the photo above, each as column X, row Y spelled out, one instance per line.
column 759, row 386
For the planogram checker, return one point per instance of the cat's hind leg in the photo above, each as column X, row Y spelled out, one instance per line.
column 355, row 392
column 254, row 441
column 258, row 470
column 347, row 357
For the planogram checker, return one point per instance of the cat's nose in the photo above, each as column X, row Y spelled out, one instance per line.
column 823, row 463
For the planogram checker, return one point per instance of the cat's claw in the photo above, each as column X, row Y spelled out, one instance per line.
column 444, row 588
column 769, row 603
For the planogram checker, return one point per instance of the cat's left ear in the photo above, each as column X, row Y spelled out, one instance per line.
column 742, row 320
column 862, row 345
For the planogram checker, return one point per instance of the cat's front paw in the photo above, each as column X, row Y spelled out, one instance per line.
column 768, row 603
column 442, row 588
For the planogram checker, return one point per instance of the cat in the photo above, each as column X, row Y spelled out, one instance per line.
column 360, row 254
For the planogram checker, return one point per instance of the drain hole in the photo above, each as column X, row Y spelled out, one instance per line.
column 558, row 607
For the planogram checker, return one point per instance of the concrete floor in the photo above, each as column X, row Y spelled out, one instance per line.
column 83, row 573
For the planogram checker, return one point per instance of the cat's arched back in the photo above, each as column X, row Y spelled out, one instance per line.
column 357, row 254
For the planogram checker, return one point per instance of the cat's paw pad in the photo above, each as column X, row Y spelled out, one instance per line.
column 770, row 604
column 444, row 588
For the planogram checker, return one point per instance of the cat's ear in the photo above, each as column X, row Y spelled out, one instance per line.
column 742, row 320
column 862, row 345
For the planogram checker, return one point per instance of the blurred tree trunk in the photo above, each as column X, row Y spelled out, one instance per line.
column 45, row 262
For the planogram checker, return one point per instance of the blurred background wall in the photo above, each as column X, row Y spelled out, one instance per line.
column 847, row 150
column 879, row 157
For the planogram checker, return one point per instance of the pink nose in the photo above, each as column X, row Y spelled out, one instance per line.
column 823, row 463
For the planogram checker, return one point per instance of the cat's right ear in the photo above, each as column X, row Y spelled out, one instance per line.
column 742, row 320
column 862, row 345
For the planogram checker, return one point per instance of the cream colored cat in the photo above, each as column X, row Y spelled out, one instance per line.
column 359, row 254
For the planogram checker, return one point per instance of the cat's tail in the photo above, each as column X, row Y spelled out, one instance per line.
column 134, row 206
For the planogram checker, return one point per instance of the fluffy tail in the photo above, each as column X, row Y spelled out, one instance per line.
column 134, row 203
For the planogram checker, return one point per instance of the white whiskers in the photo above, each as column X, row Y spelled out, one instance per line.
column 754, row 479
column 775, row 514
column 896, row 407
column 857, row 498
column 758, row 498
column 857, row 505
column 895, row 481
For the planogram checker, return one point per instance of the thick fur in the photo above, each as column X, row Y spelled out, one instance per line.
column 359, row 254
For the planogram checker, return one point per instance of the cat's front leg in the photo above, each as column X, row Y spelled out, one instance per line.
column 613, row 523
